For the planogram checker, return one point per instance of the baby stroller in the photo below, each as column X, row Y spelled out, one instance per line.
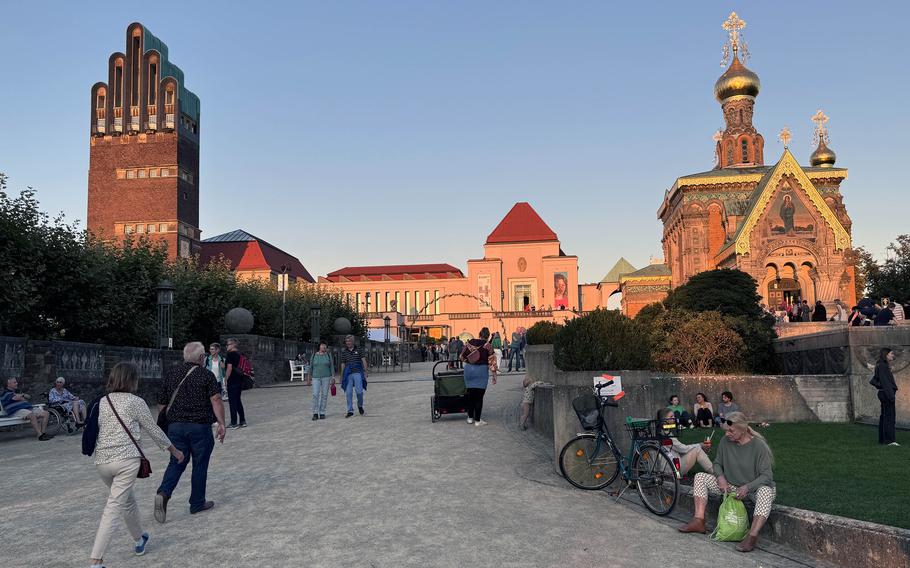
column 448, row 391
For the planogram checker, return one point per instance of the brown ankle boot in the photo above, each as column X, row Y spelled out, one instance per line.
column 748, row 544
column 696, row 525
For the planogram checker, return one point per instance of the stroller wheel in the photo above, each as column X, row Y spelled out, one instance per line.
column 434, row 413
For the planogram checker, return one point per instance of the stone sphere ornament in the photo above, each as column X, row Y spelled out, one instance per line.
column 239, row 320
column 342, row 326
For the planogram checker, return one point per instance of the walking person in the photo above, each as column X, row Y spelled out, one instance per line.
column 216, row 363
column 353, row 375
column 496, row 342
column 121, row 417
column 479, row 362
column 235, row 383
column 191, row 400
column 323, row 369
column 883, row 380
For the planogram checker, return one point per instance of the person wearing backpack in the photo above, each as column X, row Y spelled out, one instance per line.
column 235, row 379
column 743, row 468
column 479, row 362
column 883, row 380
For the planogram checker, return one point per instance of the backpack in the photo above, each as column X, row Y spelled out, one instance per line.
column 90, row 430
column 474, row 356
column 244, row 366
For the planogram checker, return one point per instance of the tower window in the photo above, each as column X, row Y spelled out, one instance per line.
column 730, row 154
column 184, row 196
column 118, row 85
column 153, row 172
column 134, row 76
column 130, row 174
column 153, row 82
column 745, row 147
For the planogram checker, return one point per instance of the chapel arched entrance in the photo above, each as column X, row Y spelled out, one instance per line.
column 784, row 291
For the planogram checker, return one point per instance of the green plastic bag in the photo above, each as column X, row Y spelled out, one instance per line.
column 732, row 520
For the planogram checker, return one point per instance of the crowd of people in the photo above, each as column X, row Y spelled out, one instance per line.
column 865, row 312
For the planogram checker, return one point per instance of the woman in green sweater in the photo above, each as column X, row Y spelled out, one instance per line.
column 323, row 370
column 743, row 466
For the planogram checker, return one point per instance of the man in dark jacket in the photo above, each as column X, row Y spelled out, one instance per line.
column 820, row 313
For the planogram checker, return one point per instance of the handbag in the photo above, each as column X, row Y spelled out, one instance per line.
column 162, row 415
column 145, row 468
column 333, row 389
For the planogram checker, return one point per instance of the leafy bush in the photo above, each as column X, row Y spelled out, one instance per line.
column 696, row 342
column 543, row 333
column 602, row 340
column 734, row 294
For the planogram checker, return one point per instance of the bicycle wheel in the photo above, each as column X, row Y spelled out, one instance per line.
column 656, row 479
column 587, row 466
column 54, row 421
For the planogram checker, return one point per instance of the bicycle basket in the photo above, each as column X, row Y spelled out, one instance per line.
column 644, row 429
column 587, row 408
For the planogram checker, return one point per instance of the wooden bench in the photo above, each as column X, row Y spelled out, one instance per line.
column 7, row 420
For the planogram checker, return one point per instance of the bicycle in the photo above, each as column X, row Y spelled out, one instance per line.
column 592, row 461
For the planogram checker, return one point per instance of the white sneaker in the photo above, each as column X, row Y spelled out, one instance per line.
column 480, row 423
column 470, row 420
column 894, row 444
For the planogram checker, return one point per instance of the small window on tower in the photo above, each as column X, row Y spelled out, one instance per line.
column 165, row 172
column 130, row 174
column 184, row 196
column 153, row 172
column 128, row 229
column 151, row 228
column 745, row 148
column 143, row 173
column 140, row 228
column 162, row 227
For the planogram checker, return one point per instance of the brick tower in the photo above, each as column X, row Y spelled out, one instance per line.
column 143, row 175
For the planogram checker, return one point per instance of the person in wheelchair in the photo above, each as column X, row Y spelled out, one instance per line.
column 62, row 397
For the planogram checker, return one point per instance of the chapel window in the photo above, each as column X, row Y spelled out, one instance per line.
column 745, row 149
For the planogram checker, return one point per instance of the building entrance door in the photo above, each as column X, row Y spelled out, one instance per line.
column 783, row 291
column 521, row 297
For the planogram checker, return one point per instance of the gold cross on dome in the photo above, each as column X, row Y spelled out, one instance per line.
column 785, row 136
column 821, row 128
column 733, row 25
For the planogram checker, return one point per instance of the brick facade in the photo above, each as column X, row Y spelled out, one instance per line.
column 144, row 150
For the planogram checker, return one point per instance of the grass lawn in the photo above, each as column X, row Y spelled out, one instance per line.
column 836, row 468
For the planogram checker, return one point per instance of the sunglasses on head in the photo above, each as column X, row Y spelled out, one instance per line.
column 728, row 422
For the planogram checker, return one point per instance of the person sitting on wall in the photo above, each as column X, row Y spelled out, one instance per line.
column 687, row 454
column 704, row 411
column 725, row 408
column 883, row 317
column 683, row 418
column 743, row 466
column 61, row 396
column 16, row 405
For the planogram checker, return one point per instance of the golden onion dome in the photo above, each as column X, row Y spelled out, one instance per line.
column 737, row 80
column 822, row 156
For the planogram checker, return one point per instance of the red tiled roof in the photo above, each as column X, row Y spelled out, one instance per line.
column 521, row 224
column 395, row 272
column 253, row 254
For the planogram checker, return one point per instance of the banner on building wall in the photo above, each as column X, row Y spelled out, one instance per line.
column 560, row 290
column 484, row 291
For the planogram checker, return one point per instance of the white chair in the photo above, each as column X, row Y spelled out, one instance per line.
column 296, row 370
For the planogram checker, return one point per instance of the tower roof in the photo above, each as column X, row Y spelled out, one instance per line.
column 619, row 269
column 521, row 225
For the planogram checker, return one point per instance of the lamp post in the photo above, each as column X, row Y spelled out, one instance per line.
column 284, row 297
column 387, row 323
column 165, row 316
column 315, row 315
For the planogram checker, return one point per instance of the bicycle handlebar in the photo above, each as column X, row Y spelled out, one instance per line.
column 599, row 386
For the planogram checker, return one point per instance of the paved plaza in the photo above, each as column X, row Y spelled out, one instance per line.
column 389, row 489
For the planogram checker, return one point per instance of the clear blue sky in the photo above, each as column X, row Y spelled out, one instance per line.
column 355, row 133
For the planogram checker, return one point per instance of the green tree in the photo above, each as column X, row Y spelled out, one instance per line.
column 891, row 278
column 728, row 291
column 543, row 333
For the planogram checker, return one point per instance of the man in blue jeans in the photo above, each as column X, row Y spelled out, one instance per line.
column 191, row 398
column 517, row 351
